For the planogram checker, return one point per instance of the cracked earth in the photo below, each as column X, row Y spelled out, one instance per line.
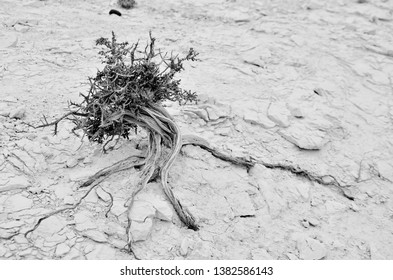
column 302, row 88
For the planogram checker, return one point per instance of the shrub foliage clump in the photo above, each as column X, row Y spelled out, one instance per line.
column 130, row 81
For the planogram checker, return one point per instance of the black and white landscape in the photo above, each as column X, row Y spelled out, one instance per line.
column 301, row 89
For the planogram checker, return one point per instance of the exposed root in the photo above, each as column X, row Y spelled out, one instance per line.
column 198, row 141
column 183, row 213
column 147, row 172
column 162, row 132
column 323, row 180
column 139, row 160
column 125, row 164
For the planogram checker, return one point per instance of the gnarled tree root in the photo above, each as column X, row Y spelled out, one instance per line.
column 198, row 141
column 137, row 161
column 125, row 164
column 162, row 133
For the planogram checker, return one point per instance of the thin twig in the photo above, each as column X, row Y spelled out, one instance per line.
column 56, row 122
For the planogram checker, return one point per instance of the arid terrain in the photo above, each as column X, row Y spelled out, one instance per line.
column 302, row 88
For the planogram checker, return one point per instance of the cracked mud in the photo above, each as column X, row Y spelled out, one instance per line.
column 303, row 89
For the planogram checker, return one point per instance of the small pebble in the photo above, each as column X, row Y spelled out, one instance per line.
column 4, row 110
column 62, row 249
column 71, row 163
column 18, row 113
column 305, row 223
column 184, row 247
column 69, row 200
column 313, row 222
column 354, row 207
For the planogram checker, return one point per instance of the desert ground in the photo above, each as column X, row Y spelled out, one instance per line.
column 301, row 88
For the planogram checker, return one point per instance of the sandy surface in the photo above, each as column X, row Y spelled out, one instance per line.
column 304, row 88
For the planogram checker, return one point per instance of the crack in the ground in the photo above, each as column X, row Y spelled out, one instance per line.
column 21, row 161
column 15, row 233
column 246, row 216
column 16, row 167
column 376, row 172
column 72, row 207
column 109, row 206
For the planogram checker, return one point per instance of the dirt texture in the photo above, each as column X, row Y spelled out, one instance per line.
column 302, row 88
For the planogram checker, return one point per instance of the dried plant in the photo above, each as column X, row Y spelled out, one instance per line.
column 128, row 93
